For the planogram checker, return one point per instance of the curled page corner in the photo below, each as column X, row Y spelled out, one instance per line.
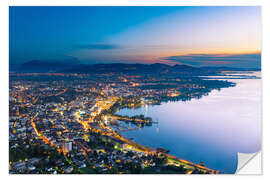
column 249, row 163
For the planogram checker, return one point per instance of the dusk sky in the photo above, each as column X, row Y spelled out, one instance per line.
column 197, row 36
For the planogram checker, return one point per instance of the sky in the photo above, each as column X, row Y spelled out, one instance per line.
column 196, row 36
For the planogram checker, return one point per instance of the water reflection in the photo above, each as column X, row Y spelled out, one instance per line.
column 211, row 129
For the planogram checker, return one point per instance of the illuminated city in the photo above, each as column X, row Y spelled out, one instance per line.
column 64, row 114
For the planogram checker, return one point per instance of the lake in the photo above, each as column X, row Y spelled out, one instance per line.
column 212, row 129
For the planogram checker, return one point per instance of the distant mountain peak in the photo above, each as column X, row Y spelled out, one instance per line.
column 47, row 66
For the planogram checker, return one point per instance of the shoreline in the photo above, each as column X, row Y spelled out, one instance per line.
column 171, row 158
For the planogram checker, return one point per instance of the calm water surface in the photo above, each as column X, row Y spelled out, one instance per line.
column 212, row 129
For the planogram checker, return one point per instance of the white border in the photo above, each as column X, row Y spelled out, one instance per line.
column 4, row 75
column 136, row 2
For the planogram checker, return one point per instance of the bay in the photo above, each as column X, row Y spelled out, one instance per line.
column 211, row 130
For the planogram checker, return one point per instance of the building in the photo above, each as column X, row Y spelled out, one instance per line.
column 67, row 146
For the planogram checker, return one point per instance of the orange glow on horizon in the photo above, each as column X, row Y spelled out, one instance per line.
column 219, row 53
column 211, row 52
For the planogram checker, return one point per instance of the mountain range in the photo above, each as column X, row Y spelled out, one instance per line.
column 39, row 66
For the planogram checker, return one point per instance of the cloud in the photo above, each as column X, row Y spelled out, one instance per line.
column 97, row 46
column 233, row 60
